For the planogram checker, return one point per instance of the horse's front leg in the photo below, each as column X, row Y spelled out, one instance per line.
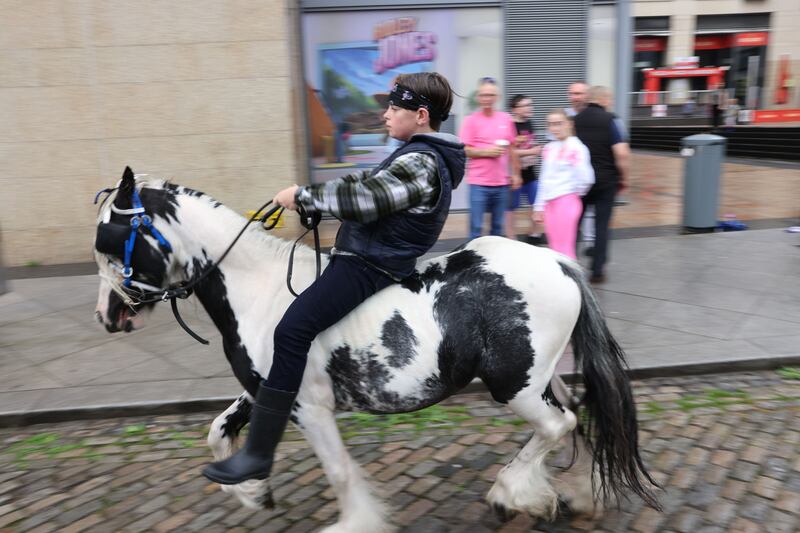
column 359, row 509
column 224, row 431
column 223, row 439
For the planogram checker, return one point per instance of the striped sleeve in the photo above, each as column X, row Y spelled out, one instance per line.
column 410, row 182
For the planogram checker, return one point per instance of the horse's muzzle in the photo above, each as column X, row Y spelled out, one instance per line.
column 121, row 319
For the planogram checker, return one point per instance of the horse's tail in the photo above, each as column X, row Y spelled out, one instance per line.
column 609, row 426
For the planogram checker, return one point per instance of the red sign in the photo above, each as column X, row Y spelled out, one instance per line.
column 650, row 44
column 717, row 42
column 759, row 38
column 682, row 73
column 712, row 42
column 776, row 115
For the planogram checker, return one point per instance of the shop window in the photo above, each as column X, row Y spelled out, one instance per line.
column 649, row 52
column 350, row 59
column 744, row 53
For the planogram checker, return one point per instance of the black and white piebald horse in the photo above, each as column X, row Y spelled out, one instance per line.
column 496, row 309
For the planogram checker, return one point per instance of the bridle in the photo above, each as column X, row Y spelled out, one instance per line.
column 139, row 293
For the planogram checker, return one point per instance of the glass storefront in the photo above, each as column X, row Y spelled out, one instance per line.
column 649, row 52
column 736, row 43
column 745, row 54
column 351, row 58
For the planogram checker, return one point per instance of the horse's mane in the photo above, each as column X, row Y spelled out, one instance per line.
column 278, row 248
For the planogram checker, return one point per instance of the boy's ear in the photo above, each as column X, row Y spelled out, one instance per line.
column 423, row 116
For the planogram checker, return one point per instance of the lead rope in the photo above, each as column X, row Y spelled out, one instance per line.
column 183, row 291
column 311, row 223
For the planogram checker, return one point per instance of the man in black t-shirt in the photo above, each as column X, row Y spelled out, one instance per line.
column 521, row 108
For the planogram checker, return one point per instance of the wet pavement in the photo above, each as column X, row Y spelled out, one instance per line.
column 726, row 448
column 676, row 304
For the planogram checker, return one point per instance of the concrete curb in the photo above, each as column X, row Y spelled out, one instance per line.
column 49, row 416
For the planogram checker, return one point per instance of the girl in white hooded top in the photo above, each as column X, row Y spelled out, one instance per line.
column 566, row 176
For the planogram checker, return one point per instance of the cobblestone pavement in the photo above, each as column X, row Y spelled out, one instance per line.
column 725, row 447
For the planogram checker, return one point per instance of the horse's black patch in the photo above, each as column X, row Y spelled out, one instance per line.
column 236, row 420
column 115, row 308
column 456, row 262
column 294, row 417
column 180, row 189
column 412, row 283
column 484, row 328
column 426, row 279
column 212, row 294
column 399, row 338
column 157, row 203
column 360, row 381
column 463, row 260
column 550, row 398
column 160, row 203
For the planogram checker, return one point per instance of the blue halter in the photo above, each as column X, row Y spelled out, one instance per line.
column 184, row 289
column 138, row 220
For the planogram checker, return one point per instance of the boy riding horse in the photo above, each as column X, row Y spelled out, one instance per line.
column 390, row 217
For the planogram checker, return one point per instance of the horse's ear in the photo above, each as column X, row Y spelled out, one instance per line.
column 128, row 180
column 123, row 199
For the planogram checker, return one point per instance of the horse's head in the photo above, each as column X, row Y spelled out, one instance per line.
column 131, row 254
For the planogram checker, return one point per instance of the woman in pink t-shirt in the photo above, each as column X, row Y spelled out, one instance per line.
column 488, row 136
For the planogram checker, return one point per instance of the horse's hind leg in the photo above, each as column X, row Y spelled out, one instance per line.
column 523, row 484
column 575, row 486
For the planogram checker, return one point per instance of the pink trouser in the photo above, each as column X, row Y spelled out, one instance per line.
column 561, row 216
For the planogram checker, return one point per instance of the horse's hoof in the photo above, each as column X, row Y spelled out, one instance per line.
column 268, row 502
column 503, row 513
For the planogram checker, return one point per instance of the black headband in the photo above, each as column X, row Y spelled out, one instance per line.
column 402, row 96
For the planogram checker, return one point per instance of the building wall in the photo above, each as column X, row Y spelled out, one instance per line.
column 198, row 91
column 601, row 48
column 784, row 37
column 545, row 50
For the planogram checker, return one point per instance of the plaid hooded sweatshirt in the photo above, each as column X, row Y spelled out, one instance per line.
column 377, row 208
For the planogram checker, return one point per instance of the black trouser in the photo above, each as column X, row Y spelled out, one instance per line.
column 603, row 202
column 344, row 284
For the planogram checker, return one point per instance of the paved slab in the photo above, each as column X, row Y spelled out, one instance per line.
column 675, row 303
column 724, row 447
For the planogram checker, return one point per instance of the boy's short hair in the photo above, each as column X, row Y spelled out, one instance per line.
column 434, row 87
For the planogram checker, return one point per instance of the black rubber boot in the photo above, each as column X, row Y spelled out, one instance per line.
column 267, row 422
